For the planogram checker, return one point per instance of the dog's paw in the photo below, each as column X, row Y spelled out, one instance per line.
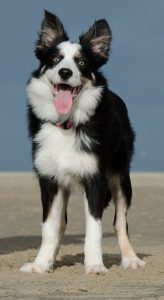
column 35, row 268
column 132, row 263
column 96, row 270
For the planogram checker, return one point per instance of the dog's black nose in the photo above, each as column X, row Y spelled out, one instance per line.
column 65, row 73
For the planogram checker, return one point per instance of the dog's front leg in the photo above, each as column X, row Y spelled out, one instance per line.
column 94, row 206
column 54, row 201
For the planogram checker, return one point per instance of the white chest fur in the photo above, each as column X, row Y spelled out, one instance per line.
column 58, row 154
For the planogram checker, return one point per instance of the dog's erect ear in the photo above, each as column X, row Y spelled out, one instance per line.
column 52, row 31
column 97, row 39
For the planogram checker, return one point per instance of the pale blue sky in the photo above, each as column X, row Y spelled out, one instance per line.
column 135, row 70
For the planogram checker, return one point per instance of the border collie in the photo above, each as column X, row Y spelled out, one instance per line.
column 81, row 134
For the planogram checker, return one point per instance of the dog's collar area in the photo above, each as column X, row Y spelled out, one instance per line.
column 66, row 125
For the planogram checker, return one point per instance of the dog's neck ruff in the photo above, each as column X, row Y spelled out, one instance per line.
column 66, row 125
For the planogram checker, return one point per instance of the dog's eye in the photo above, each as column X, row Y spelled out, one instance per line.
column 81, row 62
column 56, row 59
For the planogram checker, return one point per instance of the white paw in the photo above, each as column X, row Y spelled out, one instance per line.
column 132, row 263
column 35, row 268
column 96, row 269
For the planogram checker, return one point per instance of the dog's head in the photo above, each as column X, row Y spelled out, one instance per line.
column 69, row 69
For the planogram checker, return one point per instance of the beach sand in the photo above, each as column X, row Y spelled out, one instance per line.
column 20, row 231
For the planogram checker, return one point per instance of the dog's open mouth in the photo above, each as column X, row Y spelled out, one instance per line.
column 64, row 96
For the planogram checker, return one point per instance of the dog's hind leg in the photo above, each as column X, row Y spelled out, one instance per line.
column 54, row 201
column 122, row 194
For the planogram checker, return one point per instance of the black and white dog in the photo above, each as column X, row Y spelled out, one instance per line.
column 81, row 134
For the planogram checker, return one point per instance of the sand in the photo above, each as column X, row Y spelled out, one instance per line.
column 20, row 218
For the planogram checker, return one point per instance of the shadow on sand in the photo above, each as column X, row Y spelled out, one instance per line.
column 109, row 259
column 21, row 243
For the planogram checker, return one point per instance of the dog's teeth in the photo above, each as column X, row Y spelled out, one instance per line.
column 73, row 91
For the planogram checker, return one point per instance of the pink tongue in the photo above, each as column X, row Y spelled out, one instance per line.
column 63, row 101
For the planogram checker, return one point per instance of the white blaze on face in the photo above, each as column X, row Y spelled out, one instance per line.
column 64, row 94
column 69, row 51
